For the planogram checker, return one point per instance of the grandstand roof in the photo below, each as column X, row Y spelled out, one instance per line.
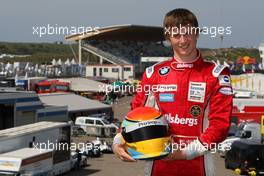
column 74, row 102
column 122, row 32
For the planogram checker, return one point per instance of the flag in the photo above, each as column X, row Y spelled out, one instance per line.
column 54, row 62
column 27, row 66
column 8, row 65
column 16, row 78
column 260, row 66
column 232, row 67
column 59, row 62
column 36, row 68
column 253, row 68
column 244, row 68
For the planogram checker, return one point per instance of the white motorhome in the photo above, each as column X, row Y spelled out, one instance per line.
column 26, row 161
column 44, row 135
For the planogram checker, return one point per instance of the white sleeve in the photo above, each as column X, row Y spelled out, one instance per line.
column 117, row 139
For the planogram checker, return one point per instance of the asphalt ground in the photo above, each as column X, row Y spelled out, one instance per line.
column 109, row 165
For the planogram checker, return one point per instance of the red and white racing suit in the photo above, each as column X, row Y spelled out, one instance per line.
column 196, row 99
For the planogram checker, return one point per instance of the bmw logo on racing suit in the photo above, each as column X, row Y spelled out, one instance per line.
column 164, row 70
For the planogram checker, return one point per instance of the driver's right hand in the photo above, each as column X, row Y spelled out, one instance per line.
column 120, row 151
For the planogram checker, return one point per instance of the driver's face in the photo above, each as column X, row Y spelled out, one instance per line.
column 183, row 41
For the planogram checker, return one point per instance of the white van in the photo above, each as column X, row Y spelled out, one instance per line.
column 96, row 126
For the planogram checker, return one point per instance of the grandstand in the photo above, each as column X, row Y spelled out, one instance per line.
column 121, row 47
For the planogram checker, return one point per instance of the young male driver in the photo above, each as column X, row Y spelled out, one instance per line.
column 197, row 102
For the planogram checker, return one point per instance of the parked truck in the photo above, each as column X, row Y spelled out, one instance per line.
column 44, row 135
column 52, row 86
column 27, row 161
column 31, row 162
column 28, row 83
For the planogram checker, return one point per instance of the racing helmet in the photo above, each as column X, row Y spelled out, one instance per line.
column 145, row 131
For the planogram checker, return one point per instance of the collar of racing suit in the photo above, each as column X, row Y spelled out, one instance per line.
column 177, row 65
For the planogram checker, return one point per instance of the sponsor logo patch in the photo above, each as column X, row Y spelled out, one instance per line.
column 149, row 71
column 164, row 71
column 184, row 65
column 166, row 97
column 195, row 111
column 196, row 91
column 166, row 88
column 148, row 123
column 224, row 80
column 181, row 66
column 217, row 70
column 182, row 121
column 226, row 91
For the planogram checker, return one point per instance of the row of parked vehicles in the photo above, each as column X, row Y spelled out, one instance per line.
column 44, row 149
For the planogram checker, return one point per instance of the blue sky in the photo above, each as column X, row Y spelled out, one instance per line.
column 17, row 17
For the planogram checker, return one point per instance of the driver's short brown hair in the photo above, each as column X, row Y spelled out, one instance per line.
column 179, row 17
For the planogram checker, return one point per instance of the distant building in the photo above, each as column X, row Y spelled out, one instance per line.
column 261, row 52
column 20, row 108
column 110, row 71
